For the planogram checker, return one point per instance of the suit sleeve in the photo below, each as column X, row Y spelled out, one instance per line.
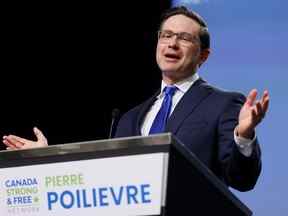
column 239, row 171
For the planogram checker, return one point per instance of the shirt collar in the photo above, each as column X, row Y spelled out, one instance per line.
column 182, row 85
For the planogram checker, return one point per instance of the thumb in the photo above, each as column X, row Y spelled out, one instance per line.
column 38, row 133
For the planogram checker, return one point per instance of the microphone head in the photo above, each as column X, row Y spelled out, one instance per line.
column 115, row 113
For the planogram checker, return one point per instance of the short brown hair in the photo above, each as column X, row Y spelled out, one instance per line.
column 203, row 34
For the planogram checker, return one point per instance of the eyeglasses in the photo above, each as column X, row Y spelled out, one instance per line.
column 184, row 38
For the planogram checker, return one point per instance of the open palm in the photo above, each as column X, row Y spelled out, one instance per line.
column 14, row 142
column 252, row 113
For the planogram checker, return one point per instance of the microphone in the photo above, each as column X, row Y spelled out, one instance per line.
column 115, row 113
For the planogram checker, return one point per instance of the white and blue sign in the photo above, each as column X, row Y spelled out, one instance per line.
column 128, row 185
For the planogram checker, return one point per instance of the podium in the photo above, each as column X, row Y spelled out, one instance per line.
column 152, row 175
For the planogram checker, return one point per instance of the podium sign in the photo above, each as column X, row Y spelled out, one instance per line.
column 126, row 185
column 152, row 175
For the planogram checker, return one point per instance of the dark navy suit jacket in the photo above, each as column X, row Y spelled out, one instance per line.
column 204, row 121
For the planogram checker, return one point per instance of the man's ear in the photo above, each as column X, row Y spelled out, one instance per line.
column 204, row 56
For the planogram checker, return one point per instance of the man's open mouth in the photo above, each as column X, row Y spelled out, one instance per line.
column 172, row 56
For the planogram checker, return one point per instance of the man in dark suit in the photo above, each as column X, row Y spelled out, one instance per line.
column 216, row 125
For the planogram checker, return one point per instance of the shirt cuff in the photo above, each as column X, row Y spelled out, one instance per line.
column 244, row 145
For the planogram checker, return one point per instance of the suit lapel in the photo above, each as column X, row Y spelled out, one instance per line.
column 143, row 111
column 187, row 104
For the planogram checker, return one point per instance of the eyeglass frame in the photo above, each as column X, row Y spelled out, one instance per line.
column 180, row 36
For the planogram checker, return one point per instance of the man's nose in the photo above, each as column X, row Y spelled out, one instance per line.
column 173, row 42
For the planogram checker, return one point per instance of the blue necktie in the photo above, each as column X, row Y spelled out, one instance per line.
column 162, row 116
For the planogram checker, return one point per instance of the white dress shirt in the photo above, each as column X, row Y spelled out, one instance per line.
column 244, row 145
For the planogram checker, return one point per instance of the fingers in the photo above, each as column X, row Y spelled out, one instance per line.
column 12, row 142
column 15, row 142
column 7, row 143
column 265, row 101
column 16, row 139
column 260, row 108
column 12, row 148
column 262, row 105
column 251, row 97
column 257, row 113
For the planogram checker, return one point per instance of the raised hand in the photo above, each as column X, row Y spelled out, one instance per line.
column 252, row 113
column 14, row 142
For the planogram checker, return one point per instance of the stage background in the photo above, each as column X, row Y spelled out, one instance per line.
column 249, row 50
column 64, row 67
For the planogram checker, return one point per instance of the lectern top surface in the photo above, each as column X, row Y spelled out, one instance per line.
column 89, row 146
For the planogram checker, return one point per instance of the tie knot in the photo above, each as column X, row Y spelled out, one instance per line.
column 170, row 90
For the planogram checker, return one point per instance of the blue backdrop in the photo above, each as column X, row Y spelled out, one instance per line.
column 249, row 46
